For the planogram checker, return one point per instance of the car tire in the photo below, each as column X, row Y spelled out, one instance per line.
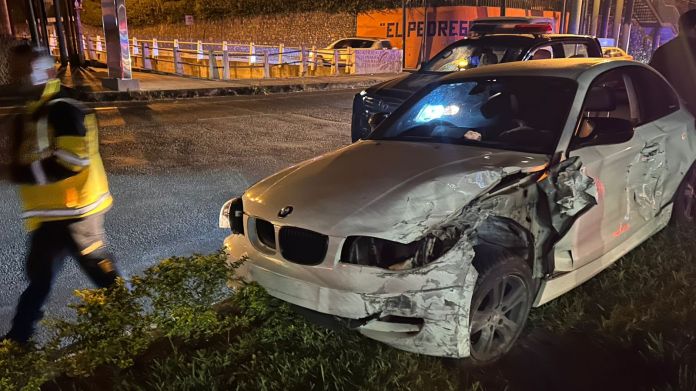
column 684, row 209
column 500, row 303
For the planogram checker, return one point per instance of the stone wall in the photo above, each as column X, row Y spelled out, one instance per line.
column 5, row 45
column 312, row 28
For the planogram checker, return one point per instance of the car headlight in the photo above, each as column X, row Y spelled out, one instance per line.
column 232, row 216
column 386, row 254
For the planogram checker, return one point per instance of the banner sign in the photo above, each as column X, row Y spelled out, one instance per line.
column 377, row 61
column 429, row 32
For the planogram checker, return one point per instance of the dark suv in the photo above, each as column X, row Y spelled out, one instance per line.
column 465, row 54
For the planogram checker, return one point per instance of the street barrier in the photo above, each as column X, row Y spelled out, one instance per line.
column 225, row 61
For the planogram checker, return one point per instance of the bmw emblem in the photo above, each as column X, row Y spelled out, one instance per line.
column 285, row 212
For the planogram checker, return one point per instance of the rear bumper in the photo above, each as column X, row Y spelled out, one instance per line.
column 440, row 314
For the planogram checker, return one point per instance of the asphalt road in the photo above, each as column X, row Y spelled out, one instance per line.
column 171, row 166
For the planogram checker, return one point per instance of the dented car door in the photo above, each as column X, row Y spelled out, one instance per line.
column 609, row 223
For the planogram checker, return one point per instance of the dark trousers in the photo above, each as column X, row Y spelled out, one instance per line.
column 84, row 239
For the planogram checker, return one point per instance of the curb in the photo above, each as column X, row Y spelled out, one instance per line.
column 118, row 96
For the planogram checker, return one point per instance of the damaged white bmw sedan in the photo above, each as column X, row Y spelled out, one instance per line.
column 488, row 192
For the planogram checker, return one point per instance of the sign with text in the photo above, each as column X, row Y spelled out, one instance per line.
column 377, row 61
column 188, row 19
column 429, row 32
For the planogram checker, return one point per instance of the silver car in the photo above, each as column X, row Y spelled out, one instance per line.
column 487, row 193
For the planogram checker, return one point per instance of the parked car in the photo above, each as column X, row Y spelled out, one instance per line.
column 486, row 193
column 616, row 53
column 326, row 56
column 509, row 24
column 466, row 54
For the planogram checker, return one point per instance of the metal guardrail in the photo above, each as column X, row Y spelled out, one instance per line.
column 219, row 61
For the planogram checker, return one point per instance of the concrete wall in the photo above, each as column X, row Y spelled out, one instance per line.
column 5, row 45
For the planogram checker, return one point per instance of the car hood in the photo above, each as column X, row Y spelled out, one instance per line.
column 388, row 189
column 403, row 87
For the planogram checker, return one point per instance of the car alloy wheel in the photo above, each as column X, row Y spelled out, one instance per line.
column 500, row 305
column 684, row 214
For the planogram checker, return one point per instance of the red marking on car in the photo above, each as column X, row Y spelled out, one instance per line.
column 623, row 228
column 600, row 189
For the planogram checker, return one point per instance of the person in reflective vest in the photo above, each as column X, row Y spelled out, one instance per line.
column 62, row 185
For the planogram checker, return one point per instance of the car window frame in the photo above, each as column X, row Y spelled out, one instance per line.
column 665, row 84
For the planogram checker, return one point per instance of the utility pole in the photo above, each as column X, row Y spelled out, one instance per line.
column 31, row 21
column 60, row 33
column 595, row 17
column 5, row 23
column 403, row 34
column 503, row 7
column 617, row 20
column 604, row 23
column 575, row 14
column 563, row 28
column 627, row 24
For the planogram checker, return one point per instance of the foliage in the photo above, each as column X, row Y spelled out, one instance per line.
column 164, row 332
column 146, row 12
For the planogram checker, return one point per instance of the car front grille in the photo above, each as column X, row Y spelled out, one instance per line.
column 302, row 246
column 266, row 233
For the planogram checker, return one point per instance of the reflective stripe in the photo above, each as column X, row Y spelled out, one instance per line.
column 38, row 172
column 71, row 158
column 94, row 247
column 42, row 141
column 66, row 212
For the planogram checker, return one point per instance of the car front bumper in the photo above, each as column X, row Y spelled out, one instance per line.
column 438, row 296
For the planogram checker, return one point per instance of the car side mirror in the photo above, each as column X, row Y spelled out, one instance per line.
column 375, row 119
column 603, row 131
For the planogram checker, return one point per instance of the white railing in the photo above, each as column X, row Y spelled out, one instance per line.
column 225, row 61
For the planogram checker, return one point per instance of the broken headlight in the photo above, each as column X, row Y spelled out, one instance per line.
column 386, row 254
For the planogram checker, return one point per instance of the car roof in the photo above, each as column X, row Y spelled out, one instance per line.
column 570, row 68
column 363, row 38
column 530, row 37
column 510, row 18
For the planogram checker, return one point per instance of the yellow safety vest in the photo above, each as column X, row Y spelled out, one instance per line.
column 83, row 194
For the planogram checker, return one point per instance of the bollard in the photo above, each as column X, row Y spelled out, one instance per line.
column 199, row 50
column 336, row 60
column 314, row 58
column 281, row 49
column 147, row 63
column 252, row 54
column 178, row 66
column 303, row 65
column 213, row 73
column 266, row 66
column 226, row 63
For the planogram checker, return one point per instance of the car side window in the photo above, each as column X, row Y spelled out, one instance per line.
column 656, row 98
column 620, row 104
column 542, row 53
column 386, row 45
column 341, row 44
column 575, row 50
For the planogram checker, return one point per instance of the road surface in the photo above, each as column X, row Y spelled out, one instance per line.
column 171, row 166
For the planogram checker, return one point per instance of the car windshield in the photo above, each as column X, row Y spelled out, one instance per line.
column 472, row 54
column 515, row 113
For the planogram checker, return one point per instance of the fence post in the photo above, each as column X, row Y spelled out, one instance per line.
column 252, row 52
column 314, row 58
column 303, row 64
column 336, row 60
column 85, row 48
column 99, row 48
column 199, row 50
column 147, row 63
column 155, row 48
column 212, row 66
column 266, row 66
column 281, row 49
column 90, row 47
column 135, row 46
column 226, row 65
column 178, row 66
column 349, row 60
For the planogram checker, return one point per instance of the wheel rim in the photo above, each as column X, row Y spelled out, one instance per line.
column 498, row 318
column 687, row 204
